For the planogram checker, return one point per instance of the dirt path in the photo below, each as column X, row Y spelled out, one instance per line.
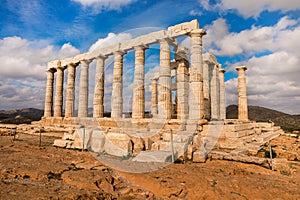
column 28, row 171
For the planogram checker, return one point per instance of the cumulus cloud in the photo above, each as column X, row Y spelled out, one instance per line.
column 257, row 39
column 23, row 70
column 101, row 5
column 254, row 8
column 249, row 9
column 110, row 39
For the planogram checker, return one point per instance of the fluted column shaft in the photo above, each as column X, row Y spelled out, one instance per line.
column 164, row 88
column 69, row 111
column 154, row 110
column 182, row 89
column 83, row 88
column 49, row 93
column 98, row 110
column 215, row 93
column 138, row 101
column 206, row 89
column 58, row 103
column 242, row 94
column 117, row 87
column 222, row 93
column 196, row 97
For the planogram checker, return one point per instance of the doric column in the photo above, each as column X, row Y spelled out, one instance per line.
column 154, row 101
column 138, row 101
column 222, row 93
column 214, row 93
column 206, row 89
column 49, row 93
column 164, row 88
column 196, row 98
column 83, row 88
column 58, row 103
column 98, row 110
column 117, row 87
column 70, row 90
column 182, row 89
column 242, row 94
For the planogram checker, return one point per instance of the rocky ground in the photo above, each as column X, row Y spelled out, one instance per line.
column 29, row 171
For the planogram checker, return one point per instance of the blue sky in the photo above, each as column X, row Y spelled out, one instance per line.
column 263, row 35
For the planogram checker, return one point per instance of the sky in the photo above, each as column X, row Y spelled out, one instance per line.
column 263, row 35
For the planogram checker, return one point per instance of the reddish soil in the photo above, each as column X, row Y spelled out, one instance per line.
column 29, row 171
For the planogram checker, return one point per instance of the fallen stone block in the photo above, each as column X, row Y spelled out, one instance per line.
column 60, row 143
column 199, row 156
column 155, row 156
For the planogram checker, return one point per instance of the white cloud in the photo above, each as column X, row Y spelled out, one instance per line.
column 272, row 81
column 100, row 5
column 257, row 39
column 23, row 70
column 110, row 39
column 254, row 8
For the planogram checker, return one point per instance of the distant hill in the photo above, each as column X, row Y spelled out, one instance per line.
column 21, row 116
column 260, row 114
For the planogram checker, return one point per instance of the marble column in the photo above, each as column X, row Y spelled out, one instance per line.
column 98, row 110
column 117, row 86
column 242, row 94
column 196, row 97
column 49, row 93
column 138, row 101
column 70, row 90
column 164, row 88
column 215, row 93
column 154, row 101
column 84, row 88
column 222, row 93
column 206, row 89
column 182, row 89
column 58, row 103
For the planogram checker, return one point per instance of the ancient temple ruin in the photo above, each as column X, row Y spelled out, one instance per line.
column 200, row 121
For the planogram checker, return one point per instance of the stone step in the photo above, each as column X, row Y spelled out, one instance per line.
column 267, row 136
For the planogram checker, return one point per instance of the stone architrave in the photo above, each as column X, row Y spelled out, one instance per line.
column 154, row 99
column 242, row 94
column 49, row 92
column 70, row 90
column 117, row 87
column 58, row 103
column 83, row 88
column 182, row 89
column 222, row 93
column 215, row 93
column 196, row 97
column 164, row 87
column 98, row 110
column 138, row 101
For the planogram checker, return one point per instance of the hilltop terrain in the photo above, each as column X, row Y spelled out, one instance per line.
column 260, row 114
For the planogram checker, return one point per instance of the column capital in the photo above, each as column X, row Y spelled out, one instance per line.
column 119, row 53
column 86, row 61
column 52, row 70
column 222, row 70
column 197, row 32
column 72, row 64
column 141, row 47
column 168, row 40
column 241, row 68
column 101, row 57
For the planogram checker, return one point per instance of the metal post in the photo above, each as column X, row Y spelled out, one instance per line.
column 83, row 138
column 172, row 146
column 271, row 156
column 40, row 137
